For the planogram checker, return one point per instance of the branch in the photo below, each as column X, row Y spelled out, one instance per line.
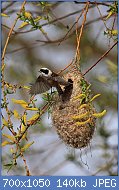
column 101, row 57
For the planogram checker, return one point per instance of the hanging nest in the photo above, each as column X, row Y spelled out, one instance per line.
column 74, row 119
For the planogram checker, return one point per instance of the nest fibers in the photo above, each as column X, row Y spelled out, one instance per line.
column 74, row 120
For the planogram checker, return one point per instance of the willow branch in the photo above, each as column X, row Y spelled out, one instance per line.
column 105, row 54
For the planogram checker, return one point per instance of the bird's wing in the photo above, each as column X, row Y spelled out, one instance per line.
column 41, row 85
column 59, row 79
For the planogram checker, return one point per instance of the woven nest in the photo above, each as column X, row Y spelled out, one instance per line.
column 73, row 119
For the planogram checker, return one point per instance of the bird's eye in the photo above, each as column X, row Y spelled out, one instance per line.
column 46, row 71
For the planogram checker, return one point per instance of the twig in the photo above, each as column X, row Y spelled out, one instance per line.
column 71, row 27
column 44, row 108
column 25, row 164
column 2, row 70
column 101, row 15
column 79, row 38
column 10, row 32
column 66, row 67
column 99, row 3
column 101, row 57
column 51, row 41
column 81, row 31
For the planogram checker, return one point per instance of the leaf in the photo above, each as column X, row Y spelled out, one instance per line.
column 26, row 87
column 103, row 79
column 94, row 97
column 23, row 126
column 16, row 114
column 42, row 30
column 9, row 137
column 4, row 122
column 114, row 32
column 37, row 18
column 21, row 102
column 80, row 96
column 6, row 143
column 24, row 104
column 24, row 120
column 23, row 24
column 12, row 150
column 10, row 164
column 33, row 118
column 83, row 122
column 32, row 109
column 26, row 146
column 4, row 15
column 27, row 14
column 109, row 15
column 99, row 114
column 79, row 117
column 112, row 66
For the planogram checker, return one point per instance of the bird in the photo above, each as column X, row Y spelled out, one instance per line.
column 46, row 80
column 66, row 95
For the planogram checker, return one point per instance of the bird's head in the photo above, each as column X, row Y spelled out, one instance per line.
column 45, row 72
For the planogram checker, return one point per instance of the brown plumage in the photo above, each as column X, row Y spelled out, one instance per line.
column 46, row 80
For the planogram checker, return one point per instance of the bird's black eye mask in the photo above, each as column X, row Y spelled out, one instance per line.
column 44, row 71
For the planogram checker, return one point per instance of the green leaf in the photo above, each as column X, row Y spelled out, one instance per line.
column 24, row 148
column 7, row 165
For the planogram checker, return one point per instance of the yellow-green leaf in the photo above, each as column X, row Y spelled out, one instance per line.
column 12, row 150
column 4, row 121
column 94, row 97
column 37, row 18
column 23, row 24
column 9, row 137
column 6, row 143
column 27, row 14
column 114, row 32
column 112, row 67
column 5, row 15
column 24, row 104
column 24, row 148
column 103, row 79
column 79, row 123
column 23, row 128
column 78, row 117
column 21, row 102
column 32, row 109
column 16, row 114
column 79, row 96
column 24, row 119
column 109, row 15
column 26, row 87
column 99, row 114
column 33, row 118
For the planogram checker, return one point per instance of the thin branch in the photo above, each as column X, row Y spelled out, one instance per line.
column 79, row 37
column 10, row 32
column 2, row 70
column 25, row 164
column 52, row 41
column 80, row 34
column 101, row 58
column 99, row 3
column 72, row 26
